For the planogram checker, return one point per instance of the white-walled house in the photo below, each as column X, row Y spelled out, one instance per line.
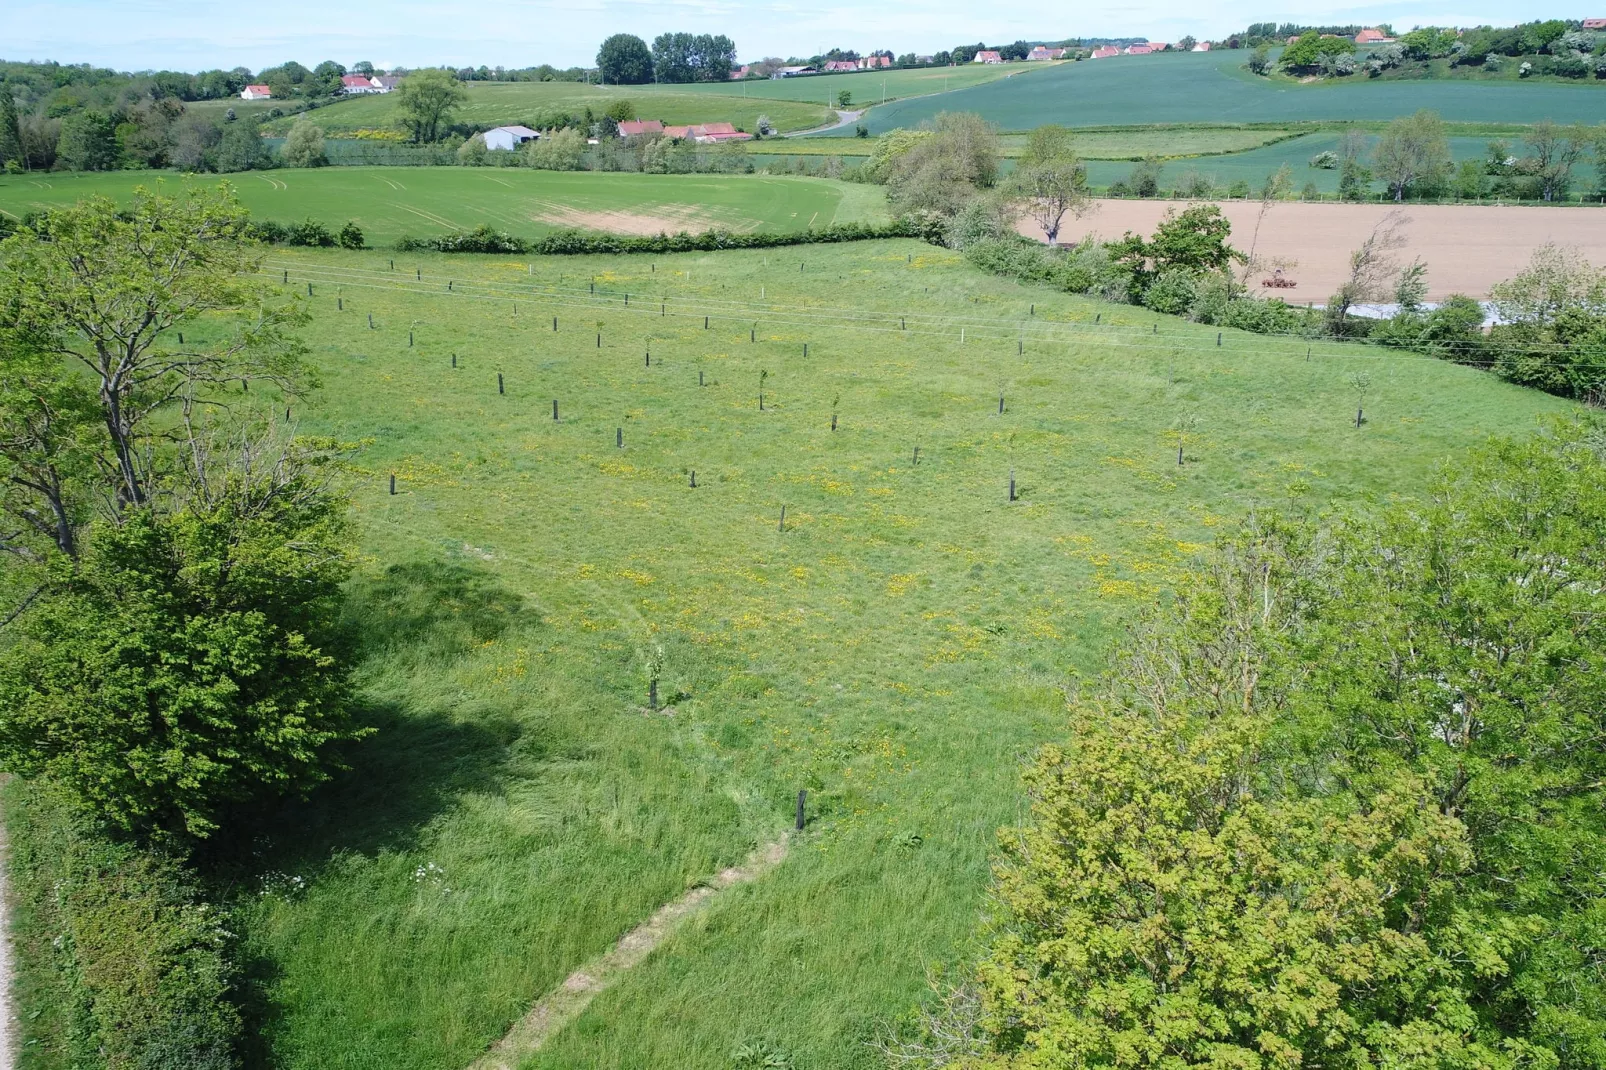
column 509, row 138
column 256, row 92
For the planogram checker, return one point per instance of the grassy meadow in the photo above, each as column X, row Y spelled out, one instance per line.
column 1212, row 87
column 894, row 651
column 390, row 201
column 497, row 103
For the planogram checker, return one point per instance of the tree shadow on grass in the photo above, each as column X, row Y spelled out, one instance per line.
column 420, row 759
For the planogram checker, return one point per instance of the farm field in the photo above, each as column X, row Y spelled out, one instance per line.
column 1254, row 165
column 1467, row 248
column 495, row 103
column 866, row 87
column 1096, row 144
column 893, row 651
column 387, row 202
column 1201, row 87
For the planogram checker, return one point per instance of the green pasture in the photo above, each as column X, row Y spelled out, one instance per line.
column 1097, row 144
column 894, row 651
column 387, row 202
column 1210, row 87
column 498, row 103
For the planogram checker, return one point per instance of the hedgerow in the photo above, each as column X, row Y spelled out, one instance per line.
column 578, row 242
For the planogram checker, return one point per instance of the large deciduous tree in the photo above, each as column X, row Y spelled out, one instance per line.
column 176, row 652
column 685, row 57
column 1413, row 153
column 1343, row 805
column 624, row 59
column 1050, row 180
column 427, row 99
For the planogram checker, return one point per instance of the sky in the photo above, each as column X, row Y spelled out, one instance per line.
column 204, row 34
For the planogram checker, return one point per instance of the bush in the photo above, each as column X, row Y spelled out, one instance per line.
column 309, row 232
column 266, row 230
column 1172, row 292
column 584, row 243
column 127, row 966
column 350, row 235
column 1239, row 189
column 1326, row 160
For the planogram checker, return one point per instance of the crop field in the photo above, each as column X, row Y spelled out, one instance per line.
column 496, row 103
column 868, row 87
column 892, row 646
column 1209, row 87
column 1097, row 144
column 1254, row 165
column 387, row 202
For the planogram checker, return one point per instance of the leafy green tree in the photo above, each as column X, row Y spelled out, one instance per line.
column 303, row 147
column 938, row 173
column 1553, row 152
column 844, row 98
column 88, row 141
column 624, row 59
column 1311, row 52
column 1049, row 179
column 240, row 148
column 563, row 150
column 93, row 386
column 1413, row 153
column 186, row 660
column 684, row 57
column 10, row 130
column 1342, row 806
column 427, row 99
column 1260, row 60
column 620, row 110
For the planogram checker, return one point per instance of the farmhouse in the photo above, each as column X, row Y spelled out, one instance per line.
column 793, row 72
column 713, row 133
column 987, row 55
column 355, row 84
column 1202, row 46
column 874, row 62
column 385, row 82
column 508, row 137
column 739, row 72
column 640, row 127
column 256, row 92
column 1139, row 50
column 1105, row 52
column 834, row 65
column 1041, row 53
column 1594, row 24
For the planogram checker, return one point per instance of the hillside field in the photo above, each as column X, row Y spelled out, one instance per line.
column 498, row 103
column 1211, row 87
column 894, row 651
column 387, row 202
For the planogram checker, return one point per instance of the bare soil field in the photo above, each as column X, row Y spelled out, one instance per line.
column 1467, row 248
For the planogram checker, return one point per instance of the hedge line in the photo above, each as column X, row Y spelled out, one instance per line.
column 577, row 242
column 124, row 965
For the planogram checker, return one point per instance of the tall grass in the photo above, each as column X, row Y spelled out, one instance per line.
column 894, row 652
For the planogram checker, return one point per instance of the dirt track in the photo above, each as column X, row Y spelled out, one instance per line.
column 1467, row 248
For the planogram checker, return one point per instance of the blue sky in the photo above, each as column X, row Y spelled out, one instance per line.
column 145, row 34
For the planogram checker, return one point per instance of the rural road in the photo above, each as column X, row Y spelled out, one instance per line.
column 844, row 118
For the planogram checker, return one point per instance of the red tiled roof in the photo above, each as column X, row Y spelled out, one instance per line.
column 635, row 127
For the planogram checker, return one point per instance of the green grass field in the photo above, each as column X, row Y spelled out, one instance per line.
column 868, row 87
column 390, row 201
column 495, row 103
column 1211, row 87
column 894, row 651
column 1097, row 144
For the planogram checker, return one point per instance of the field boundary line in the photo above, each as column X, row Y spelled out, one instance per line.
column 564, row 1003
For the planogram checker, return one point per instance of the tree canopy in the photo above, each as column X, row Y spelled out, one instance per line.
column 624, row 59
column 685, row 57
column 427, row 99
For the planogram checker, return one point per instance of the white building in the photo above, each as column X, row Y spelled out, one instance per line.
column 256, row 92
column 509, row 137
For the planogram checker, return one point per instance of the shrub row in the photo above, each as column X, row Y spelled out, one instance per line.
column 308, row 232
column 576, row 242
column 114, row 943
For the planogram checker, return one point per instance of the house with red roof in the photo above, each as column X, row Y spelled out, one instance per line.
column 987, row 55
column 1139, row 50
column 1105, row 52
column 870, row 63
column 713, row 133
column 835, row 65
column 1041, row 53
column 1202, row 46
column 1594, row 24
column 256, row 92
column 641, row 128
column 355, row 84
